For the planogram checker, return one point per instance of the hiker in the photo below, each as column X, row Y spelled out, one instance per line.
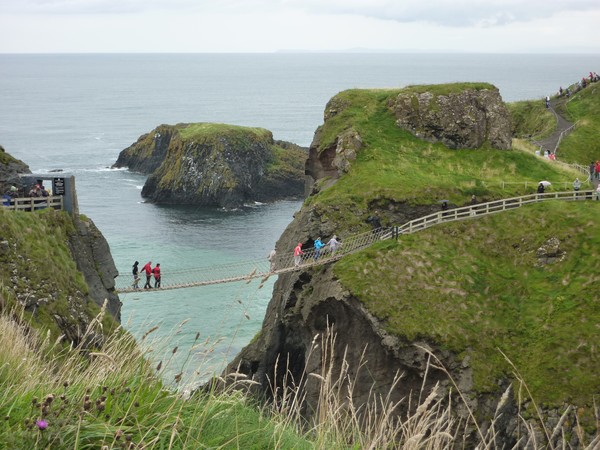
column 473, row 203
column 592, row 170
column 547, row 102
column 541, row 188
column 597, row 168
column 298, row 254
column 598, row 192
column 576, row 186
column 318, row 246
column 271, row 258
column 148, row 269
column 136, row 278
column 156, row 272
column 333, row 244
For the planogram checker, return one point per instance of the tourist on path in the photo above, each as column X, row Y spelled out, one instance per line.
column 576, row 186
column 136, row 278
column 598, row 192
column 298, row 254
column 271, row 259
column 598, row 170
column 540, row 188
column 473, row 203
column 156, row 272
column 148, row 269
column 592, row 170
column 318, row 246
column 333, row 244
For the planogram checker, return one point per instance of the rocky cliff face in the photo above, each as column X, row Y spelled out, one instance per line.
column 215, row 165
column 306, row 304
column 10, row 168
column 92, row 255
column 469, row 118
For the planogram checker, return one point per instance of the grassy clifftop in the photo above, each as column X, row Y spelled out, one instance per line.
column 38, row 272
column 395, row 166
column 583, row 145
column 478, row 287
column 531, row 120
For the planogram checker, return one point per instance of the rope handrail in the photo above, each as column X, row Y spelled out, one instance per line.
column 262, row 268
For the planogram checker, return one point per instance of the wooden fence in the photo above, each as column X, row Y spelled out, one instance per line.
column 34, row 203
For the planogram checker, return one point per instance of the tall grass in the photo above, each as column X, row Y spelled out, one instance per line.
column 440, row 418
column 112, row 398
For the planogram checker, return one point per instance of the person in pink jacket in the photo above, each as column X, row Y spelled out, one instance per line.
column 148, row 269
column 298, row 254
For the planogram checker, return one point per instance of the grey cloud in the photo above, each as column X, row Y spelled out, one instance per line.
column 449, row 13
column 440, row 12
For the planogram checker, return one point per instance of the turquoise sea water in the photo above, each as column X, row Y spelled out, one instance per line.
column 77, row 112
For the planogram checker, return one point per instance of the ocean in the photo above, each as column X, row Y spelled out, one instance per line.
column 76, row 112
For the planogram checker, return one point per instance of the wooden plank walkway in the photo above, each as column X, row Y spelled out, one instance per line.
column 254, row 269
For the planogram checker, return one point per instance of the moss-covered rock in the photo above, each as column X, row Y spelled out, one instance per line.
column 215, row 165
column 467, row 115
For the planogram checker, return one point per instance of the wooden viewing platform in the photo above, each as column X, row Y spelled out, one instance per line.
column 33, row 203
column 249, row 270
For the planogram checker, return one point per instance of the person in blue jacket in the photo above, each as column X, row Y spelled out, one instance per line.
column 318, row 246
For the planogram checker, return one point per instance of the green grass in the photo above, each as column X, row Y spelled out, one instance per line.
column 39, row 262
column 394, row 166
column 531, row 119
column 582, row 145
column 474, row 287
column 113, row 398
column 210, row 131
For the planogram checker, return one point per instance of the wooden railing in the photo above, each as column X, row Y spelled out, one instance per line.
column 34, row 203
column 467, row 212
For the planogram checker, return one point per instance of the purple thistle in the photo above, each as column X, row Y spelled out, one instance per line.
column 41, row 424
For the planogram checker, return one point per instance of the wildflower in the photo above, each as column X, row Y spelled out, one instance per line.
column 49, row 399
column 41, row 424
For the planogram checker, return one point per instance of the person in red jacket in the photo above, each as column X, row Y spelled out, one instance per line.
column 148, row 269
column 156, row 272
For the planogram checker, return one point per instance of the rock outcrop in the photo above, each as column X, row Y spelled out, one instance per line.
column 92, row 255
column 215, row 165
column 10, row 168
column 467, row 118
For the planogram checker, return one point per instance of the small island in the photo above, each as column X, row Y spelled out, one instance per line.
column 211, row 164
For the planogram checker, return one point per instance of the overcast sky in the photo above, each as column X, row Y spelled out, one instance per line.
column 506, row 26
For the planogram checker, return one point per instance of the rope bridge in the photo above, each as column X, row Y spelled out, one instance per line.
column 262, row 268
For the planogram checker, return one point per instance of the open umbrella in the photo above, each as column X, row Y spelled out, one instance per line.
column 545, row 183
